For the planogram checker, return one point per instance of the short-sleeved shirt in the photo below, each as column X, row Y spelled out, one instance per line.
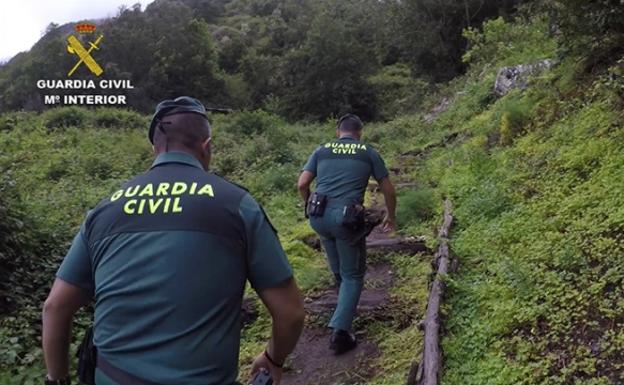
column 166, row 258
column 343, row 167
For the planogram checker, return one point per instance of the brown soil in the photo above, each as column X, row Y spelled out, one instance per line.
column 312, row 363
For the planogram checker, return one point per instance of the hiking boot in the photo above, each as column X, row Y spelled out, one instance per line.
column 342, row 341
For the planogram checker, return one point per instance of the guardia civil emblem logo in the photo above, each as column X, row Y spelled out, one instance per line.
column 75, row 47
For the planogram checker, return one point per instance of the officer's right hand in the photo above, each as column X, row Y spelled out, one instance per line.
column 261, row 362
column 389, row 225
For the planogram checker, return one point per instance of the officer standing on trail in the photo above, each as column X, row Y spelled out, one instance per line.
column 166, row 258
column 342, row 169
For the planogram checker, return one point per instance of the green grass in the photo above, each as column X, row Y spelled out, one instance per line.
column 400, row 340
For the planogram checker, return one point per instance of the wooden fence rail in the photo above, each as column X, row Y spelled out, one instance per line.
column 427, row 371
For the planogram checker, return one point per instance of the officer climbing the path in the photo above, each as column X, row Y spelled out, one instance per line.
column 166, row 258
column 342, row 169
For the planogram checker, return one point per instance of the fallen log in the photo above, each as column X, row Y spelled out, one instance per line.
column 397, row 245
column 427, row 371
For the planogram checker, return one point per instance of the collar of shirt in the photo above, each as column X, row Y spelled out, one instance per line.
column 176, row 157
column 346, row 137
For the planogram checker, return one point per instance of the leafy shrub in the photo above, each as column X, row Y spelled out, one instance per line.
column 280, row 178
column 501, row 43
column 273, row 180
column 237, row 90
column 99, row 168
column 118, row 118
column 515, row 113
column 415, row 206
column 397, row 91
column 251, row 122
column 13, row 242
column 11, row 120
column 65, row 117
column 593, row 29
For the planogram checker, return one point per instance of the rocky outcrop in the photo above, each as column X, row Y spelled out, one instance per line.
column 509, row 78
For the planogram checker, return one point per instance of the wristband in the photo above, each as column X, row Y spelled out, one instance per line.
column 62, row 381
column 271, row 360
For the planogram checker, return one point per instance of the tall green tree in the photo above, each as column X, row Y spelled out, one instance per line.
column 427, row 34
column 185, row 63
column 327, row 75
column 592, row 28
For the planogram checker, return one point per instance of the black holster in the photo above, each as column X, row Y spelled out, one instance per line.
column 87, row 359
column 316, row 205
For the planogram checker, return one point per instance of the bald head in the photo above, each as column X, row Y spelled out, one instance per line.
column 184, row 132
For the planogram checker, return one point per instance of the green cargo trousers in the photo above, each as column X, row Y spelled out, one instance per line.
column 348, row 263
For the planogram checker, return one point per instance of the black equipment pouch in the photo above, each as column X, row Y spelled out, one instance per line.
column 316, row 205
column 372, row 218
column 353, row 217
column 87, row 359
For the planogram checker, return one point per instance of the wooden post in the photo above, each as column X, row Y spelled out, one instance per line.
column 427, row 372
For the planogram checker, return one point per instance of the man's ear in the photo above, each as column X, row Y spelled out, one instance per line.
column 206, row 145
column 338, row 132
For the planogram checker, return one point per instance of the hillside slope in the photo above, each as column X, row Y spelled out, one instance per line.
column 536, row 177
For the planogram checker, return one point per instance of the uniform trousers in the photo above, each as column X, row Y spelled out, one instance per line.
column 347, row 263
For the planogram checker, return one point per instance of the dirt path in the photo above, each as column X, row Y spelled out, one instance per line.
column 312, row 363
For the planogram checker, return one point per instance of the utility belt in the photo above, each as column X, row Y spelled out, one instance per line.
column 88, row 361
column 353, row 214
column 359, row 220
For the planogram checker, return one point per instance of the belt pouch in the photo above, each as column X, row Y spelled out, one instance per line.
column 316, row 205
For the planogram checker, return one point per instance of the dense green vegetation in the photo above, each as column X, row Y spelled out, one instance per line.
column 60, row 163
column 535, row 176
column 299, row 58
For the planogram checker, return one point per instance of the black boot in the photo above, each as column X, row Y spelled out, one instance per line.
column 342, row 341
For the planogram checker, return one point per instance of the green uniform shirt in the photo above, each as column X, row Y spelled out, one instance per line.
column 166, row 258
column 343, row 167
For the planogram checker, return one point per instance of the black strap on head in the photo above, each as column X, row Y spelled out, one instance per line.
column 162, row 129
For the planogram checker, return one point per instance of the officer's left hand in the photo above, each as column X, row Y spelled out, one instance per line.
column 262, row 362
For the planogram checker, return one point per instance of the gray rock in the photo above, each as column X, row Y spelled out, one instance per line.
column 509, row 78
